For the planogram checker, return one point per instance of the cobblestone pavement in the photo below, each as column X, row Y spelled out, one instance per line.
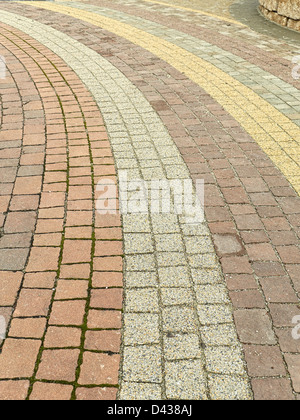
column 147, row 305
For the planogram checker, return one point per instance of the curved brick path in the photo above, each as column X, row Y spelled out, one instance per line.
column 218, row 299
column 53, row 196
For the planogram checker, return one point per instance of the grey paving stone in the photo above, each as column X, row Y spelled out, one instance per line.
column 165, row 223
column 136, row 279
column 185, row 380
column 194, row 229
column 225, row 360
column 141, row 300
column 176, row 296
column 203, row 261
column 229, row 388
column 215, row 314
column 132, row 391
column 169, row 243
column 179, row 320
column 141, row 262
column 174, row 276
column 141, row 329
column 136, row 223
column 19, row 240
column 150, row 163
column 13, row 259
column 199, row 244
column 182, row 346
column 201, row 276
column 8, row 174
column 145, row 154
column 177, row 172
column 150, row 174
column 138, row 243
column 142, row 364
column 212, row 294
column 170, row 259
column 218, row 335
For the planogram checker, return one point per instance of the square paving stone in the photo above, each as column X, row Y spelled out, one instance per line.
column 142, row 364
column 186, row 380
column 13, row 259
column 140, row 391
column 141, row 329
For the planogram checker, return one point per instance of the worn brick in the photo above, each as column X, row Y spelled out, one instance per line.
column 99, row 368
column 272, row 389
column 254, row 326
column 65, row 362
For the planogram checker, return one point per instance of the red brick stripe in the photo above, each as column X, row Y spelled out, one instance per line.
column 61, row 330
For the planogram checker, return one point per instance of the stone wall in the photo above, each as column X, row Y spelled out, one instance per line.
column 284, row 12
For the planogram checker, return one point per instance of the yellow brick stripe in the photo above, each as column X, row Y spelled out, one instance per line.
column 276, row 134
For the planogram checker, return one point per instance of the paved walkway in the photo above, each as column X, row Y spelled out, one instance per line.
column 97, row 97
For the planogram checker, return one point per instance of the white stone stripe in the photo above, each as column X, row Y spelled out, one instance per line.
column 172, row 348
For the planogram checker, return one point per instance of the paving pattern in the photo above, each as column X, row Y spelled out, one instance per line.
column 146, row 305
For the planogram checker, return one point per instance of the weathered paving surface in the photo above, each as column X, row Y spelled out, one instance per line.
column 147, row 306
